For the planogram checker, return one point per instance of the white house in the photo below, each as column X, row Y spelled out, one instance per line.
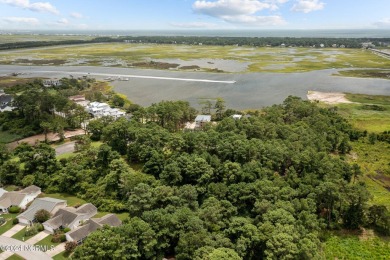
column 236, row 117
column 98, row 110
column 50, row 204
column 18, row 198
column 70, row 217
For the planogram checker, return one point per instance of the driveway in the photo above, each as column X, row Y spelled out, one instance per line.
column 24, row 250
column 58, row 249
column 38, row 237
column 15, row 229
column 65, row 148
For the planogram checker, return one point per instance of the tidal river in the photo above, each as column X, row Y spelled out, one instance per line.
column 240, row 91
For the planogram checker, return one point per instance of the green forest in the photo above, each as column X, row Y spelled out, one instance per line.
column 272, row 185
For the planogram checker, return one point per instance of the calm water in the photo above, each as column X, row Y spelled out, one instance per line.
column 251, row 90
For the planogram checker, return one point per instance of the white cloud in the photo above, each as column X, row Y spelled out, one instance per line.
column 21, row 20
column 307, row 6
column 384, row 23
column 63, row 21
column 253, row 20
column 194, row 25
column 240, row 11
column 36, row 7
column 76, row 15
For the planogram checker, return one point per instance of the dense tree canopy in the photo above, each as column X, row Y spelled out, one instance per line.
column 262, row 187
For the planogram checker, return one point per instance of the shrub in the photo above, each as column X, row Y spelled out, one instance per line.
column 42, row 215
column 31, row 231
column 66, row 230
column 2, row 221
column 40, row 227
column 15, row 221
column 58, row 238
column 70, row 246
column 14, row 209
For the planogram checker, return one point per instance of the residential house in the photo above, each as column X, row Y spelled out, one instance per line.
column 80, row 100
column 70, row 217
column 237, row 117
column 79, row 234
column 201, row 120
column 50, row 204
column 18, row 198
column 5, row 102
column 52, row 83
column 98, row 110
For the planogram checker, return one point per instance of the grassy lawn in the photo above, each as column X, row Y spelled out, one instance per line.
column 47, row 242
column 7, row 137
column 11, row 187
column 351, row 248
column 61, row 256
column 71, row 199
column 15, row 257
column 96, row 144
column 121, row 216
column 8, row 225
column 21, row 235
column 64, row 156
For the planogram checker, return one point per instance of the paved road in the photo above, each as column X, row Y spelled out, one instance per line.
column 23, row 249
column 65, row 148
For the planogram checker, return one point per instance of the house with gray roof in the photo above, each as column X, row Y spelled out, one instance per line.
column 201, row 120
column 79, row 234
column 5, row 102
column 70, row 217
column 18, row 198
column 50, row 204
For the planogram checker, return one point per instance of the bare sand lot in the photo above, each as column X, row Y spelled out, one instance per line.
column 328, row 97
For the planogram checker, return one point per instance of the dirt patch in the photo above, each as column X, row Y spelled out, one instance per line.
column 366, row 234
column 193, row 67
column 156, row 65
column 41, row 62
column 52, row 137
column 327, row 97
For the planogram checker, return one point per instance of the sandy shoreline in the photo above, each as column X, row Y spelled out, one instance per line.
column 327, row 97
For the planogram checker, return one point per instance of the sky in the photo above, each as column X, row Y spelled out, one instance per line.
column 193, row 14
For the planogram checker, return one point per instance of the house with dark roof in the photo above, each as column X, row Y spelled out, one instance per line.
column 5, row 102
column 18, row 198
column 79, row 234
column 70, row 217
column 50, row 204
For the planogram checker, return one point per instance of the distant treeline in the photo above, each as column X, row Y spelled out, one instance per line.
column 221, row 41
column 36, row 44
column 260, row 41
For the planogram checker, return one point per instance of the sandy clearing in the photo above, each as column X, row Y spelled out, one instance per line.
column 327, row 97
column 51, row 137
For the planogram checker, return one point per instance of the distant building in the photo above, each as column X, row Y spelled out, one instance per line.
column 18, row 198
column 201, row 120
column 98, row 110
column 237, row 117
column 50, row 204
column 79, row 234
column 5, row 102
column 52, row 83
column 80, row 100
column 70, row 217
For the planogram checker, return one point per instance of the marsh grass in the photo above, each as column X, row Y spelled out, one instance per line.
column 261, row 59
